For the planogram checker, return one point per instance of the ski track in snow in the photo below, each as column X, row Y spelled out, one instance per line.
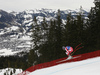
column 74, row 67
column 89, row 67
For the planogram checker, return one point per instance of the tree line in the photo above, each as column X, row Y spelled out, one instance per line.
column 49, row 37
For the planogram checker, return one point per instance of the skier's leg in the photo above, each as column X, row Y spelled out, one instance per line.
column 67, row 53
column 69, row 56
column 71, row 50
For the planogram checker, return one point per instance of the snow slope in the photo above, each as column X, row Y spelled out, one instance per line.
column 85, row 67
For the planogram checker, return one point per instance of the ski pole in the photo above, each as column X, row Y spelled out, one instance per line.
column 76, row 50
column 78, row 45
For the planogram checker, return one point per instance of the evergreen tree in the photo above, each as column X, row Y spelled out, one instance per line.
column 48, row 48
column 94, row 27
column 52, row 33
column 32, row 58
column 36, row 40
column 74, row 30
column 8, row 64
column 44, row 30
column 36, row 33
column 59, row 35
column 68, row 30
column 52, row 48
column 79, row 27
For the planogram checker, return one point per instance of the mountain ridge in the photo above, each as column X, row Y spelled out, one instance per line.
column 15, row 28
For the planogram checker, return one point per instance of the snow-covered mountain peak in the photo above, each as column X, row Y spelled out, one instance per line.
column 15, row 27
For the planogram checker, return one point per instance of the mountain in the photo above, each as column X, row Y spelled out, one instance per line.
column 15, row 28
column 6, row 19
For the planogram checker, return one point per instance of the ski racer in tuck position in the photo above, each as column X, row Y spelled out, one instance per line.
column 68, row 50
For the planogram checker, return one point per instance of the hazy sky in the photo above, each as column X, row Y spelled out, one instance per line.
column 20, row 5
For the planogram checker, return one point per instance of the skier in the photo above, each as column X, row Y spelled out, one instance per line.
column 69, row 50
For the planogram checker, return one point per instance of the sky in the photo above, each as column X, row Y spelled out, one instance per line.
column 20, row 5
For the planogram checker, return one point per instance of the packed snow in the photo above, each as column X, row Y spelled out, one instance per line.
column 85, row 67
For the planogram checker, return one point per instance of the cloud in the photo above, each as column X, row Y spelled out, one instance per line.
column 20, row 5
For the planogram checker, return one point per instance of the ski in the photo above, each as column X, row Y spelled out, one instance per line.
column 68, row 59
